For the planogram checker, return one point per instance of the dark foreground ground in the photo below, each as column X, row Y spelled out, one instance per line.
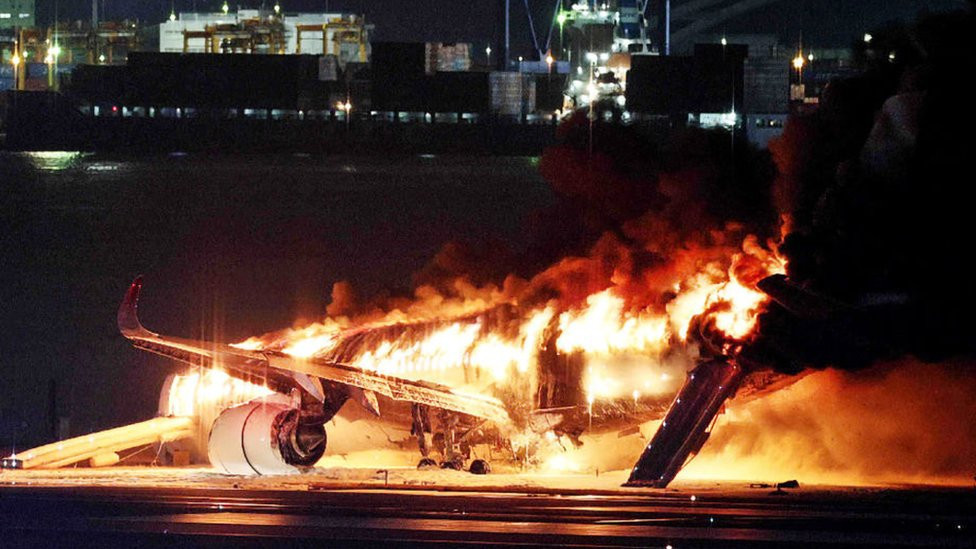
column 33, row 516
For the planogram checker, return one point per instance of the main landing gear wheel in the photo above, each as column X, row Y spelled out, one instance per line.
column 479, row 467
column 457, row 464
column 426, row 463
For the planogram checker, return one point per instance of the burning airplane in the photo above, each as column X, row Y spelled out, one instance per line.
column 671, row 267
column 507, row 371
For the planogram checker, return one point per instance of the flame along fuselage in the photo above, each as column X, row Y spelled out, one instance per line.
column 512, row 355
column 597, row 365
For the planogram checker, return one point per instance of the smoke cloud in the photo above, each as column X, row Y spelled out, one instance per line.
column 874, row 189
column 900, row 422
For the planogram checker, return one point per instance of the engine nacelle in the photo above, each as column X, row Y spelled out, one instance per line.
column 264, row 436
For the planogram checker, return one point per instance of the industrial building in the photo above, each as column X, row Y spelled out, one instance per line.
column 610, row 56
column 16, row 13
column 343, row 35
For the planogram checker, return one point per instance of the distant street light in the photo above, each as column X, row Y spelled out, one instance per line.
column 225, row 8
column 798, row 63
column 724, row 41
column 51, row 58
column 868, row 38
column 277, row 8
column 488, row 53
column 561, row 18
column 172, row 16
column 346, row 108
column 15, row 61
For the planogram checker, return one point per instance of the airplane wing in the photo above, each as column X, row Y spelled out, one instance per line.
column 284, row 372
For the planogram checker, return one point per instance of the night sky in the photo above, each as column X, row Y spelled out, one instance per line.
column 824, row 23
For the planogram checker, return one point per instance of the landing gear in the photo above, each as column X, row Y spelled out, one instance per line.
column 453, row 447
column 453, row 459
column 456, row 463
column 421, row 429
column 479, row 467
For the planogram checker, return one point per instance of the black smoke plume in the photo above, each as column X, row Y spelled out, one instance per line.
column 878, row 185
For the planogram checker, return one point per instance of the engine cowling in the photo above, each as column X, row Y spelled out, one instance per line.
column 264, row 436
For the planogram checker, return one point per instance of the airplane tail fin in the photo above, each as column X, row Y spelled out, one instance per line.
column 128, row 317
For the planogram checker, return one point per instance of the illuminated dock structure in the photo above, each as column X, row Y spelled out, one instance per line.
column 269, row 32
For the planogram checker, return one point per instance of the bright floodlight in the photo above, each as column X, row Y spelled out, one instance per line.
column 798, row 62
column 277, row 7
column 550, row 60
column 724, row 41
column 225, row 8
column 15, row 60
column 172, row 16
column 868, row 38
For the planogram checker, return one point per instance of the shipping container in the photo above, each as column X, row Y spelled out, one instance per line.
column 443, row 57
column 399, row 79
column 512, row 94
column 36, row 70
column 767, row 84
column 459, row 92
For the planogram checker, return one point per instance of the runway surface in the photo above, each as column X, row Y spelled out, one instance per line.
column 333, row 514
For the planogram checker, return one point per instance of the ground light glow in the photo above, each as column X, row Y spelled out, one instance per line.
column 54, row 161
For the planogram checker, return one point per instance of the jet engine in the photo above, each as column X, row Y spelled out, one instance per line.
column 265, row 436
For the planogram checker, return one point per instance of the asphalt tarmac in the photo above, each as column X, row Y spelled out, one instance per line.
column 33, row 516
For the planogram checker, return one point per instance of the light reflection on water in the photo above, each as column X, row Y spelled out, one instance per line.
column 103, row 166
column 54, row 161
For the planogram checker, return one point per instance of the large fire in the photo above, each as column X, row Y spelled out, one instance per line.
column 624, row 343
column 633, row 353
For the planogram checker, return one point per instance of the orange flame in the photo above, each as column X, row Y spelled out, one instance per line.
column 624, row 346
column 193, row 393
